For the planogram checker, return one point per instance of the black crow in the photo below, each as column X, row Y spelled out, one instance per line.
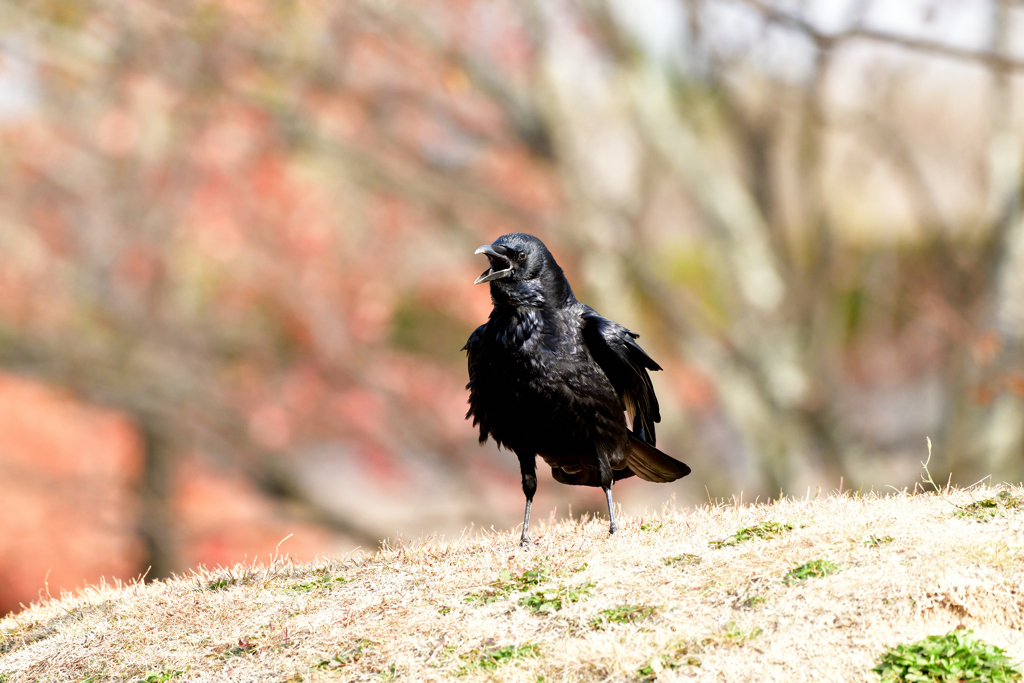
column 548, row 376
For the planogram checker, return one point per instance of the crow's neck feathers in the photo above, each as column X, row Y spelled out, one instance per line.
column 548, row 288
column 525, row 303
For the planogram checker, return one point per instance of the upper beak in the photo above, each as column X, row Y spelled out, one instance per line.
column 495, row 257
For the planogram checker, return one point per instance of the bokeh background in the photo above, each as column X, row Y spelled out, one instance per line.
column 236, row 257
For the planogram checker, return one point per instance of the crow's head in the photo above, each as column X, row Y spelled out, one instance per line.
column 522, row 269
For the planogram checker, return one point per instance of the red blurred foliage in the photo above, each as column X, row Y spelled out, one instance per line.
column 517, row 177
column 225, row 520
column 226, row 217
column 69, row 477
column 693, row 388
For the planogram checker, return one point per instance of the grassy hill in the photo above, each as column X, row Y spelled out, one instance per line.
column 796, row 590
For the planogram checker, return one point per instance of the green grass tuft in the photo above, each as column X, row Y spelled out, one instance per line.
column 954, row 657
column 764, row 530
column 683, row 560
column 735, row 635
column 244, row 646
column 346, row 657
column 623, row 614
column 493, row 657
column 547, row 599
column 224, row 578
column 323, row 582
column 752, row 601
column 221, row 583
column 151, row 677
column 999, row 505
column 507, row 584
column 811, row 570
column 873, row 541
column 553, row 599
column 680, row 656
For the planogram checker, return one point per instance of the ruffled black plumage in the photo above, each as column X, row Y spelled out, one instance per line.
column 549, row 376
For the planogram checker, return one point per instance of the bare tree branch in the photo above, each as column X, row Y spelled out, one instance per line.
column 826, row 41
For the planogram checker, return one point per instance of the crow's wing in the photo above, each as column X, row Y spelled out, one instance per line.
column 473, row 358
column 626, row 365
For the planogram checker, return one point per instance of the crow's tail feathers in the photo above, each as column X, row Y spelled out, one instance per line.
column 650, row 464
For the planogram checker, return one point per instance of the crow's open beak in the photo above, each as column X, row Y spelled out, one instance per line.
column 497, row 260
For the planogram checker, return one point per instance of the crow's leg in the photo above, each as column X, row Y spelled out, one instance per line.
column 605, row 473
column 611, row 511
column 528, row 466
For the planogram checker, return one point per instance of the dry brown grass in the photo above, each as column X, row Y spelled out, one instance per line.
column 719, row 614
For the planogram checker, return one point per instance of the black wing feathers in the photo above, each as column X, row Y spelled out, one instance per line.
column 476, row 408
column 626, row 365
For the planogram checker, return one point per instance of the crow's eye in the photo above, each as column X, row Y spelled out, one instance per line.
column 520, row 256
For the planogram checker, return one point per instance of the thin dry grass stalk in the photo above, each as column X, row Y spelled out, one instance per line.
column 908, row 566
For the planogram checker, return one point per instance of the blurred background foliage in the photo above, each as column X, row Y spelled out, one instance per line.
column 243, row 231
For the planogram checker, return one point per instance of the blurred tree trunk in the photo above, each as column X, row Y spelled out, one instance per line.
column 157, row 526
